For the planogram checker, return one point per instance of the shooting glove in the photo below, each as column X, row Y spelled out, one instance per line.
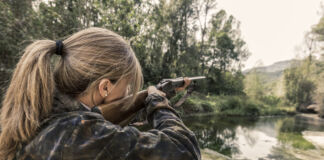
column 157, row 100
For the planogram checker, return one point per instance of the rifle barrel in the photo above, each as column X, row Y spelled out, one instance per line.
column 196, row 78
column 190, row 78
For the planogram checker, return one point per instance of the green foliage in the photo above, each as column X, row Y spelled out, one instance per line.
column 254, row 85
column 271, row 100
column 296, row 140
column 235, row 105
column 299, row 87
column 258, row 89
column 225, row 83
column 290, row 133
column 16, row 18
column 318, row 29
column 163, row 35
column 207, row 107
column 193, row 105
column 318, row 32
column 321, row 105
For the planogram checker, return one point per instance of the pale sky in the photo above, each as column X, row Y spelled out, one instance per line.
column 273, row 28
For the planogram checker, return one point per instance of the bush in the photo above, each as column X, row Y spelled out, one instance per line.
column 239, row 105
column 270, row 100
column 234, row 105
column 230, row 103
column 251, row 109
column 296, row 140
column 207, row 107
column 190, row 106
column 299, row 87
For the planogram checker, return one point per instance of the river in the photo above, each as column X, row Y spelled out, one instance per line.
column 259, row 138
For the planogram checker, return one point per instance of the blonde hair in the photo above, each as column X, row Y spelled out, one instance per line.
column 88, row 56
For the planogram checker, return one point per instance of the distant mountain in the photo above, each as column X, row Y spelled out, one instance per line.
column 276, row 67
column 274, row 71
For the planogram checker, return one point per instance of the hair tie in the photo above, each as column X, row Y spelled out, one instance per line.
column 59, row 47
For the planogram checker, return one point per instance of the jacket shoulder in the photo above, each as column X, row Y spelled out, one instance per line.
column 56, row 132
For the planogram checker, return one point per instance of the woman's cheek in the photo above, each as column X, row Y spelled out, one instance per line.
column 127, row 91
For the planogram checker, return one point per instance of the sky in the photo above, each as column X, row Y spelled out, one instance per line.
column 273, row 29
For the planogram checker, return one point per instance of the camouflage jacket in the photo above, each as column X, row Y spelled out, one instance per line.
column 74, row 132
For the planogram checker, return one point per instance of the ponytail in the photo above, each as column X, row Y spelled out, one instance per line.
column 88, row 56
column 28, row 98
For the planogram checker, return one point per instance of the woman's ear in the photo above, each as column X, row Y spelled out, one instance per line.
column 104, row 87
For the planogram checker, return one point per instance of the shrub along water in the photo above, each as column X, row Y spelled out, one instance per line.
column 162, row 34
column 237, row 105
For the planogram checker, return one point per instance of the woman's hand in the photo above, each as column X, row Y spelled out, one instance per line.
column 186, row 84
column 152, row 89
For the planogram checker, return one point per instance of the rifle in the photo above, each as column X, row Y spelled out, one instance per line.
column 115, row 113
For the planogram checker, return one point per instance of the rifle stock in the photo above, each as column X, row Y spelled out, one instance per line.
column 115, row 113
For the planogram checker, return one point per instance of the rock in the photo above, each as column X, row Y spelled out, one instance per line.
column 313, row 119
column 313, row 108
column 314, row 137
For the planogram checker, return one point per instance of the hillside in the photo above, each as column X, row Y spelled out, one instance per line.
column 272, row 72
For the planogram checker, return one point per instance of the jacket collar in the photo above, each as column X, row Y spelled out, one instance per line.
column 65, row 103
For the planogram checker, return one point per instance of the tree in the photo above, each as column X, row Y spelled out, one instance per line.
column 299, row 88
column 254, row 85
column 163, row 34
column 16, row 25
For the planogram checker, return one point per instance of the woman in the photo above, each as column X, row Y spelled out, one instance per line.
column 47, row 114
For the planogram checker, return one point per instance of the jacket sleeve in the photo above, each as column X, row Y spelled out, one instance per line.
column 169, row 139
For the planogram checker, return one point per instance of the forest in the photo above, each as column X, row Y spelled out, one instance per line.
column 171, row 38
column 232, row 110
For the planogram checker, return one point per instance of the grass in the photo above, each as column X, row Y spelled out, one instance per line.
column 233, row 105
column 296, row 140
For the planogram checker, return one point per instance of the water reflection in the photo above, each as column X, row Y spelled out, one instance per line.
column 251, row 138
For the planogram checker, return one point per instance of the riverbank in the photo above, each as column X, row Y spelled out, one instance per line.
column 311, row 118
column 208, row 154
column 233, row 105
column 315, row 137
column 266, row 137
